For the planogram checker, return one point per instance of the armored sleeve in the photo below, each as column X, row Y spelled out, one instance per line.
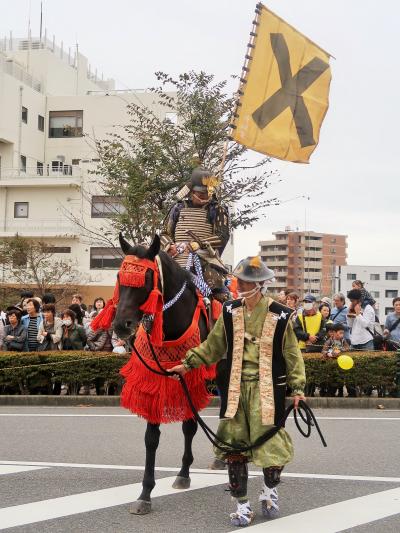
column 221, row 228
column 295, row 370
column 211, row 350
column 168, row 230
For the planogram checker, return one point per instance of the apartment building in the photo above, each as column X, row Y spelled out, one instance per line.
column 304, row 261
column 52, row 110
column 383, row 282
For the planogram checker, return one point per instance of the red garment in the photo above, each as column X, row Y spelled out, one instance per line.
column 160, row 399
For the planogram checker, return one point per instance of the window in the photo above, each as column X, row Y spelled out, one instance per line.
column 21, row 209
column 351, row 276
column 105, row 258
column 389, row 310
column 333, row 240
column 391, row 294
column 22, row 163
column 333, row 250
column 392, row 276
column 374, row 277
column 106, row 206
column 39, row 168
column 75, row 162
column 65, row 123
column 19, row 259
column 24, row 115
column 375, row 294
column 57, row 249
column 40, row 123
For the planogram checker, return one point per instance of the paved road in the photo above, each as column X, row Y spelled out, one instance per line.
column 77, row 469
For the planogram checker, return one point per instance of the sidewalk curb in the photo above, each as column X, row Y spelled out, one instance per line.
column 114, row 401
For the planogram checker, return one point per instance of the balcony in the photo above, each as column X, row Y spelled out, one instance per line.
column 43, row 176
column 39, row 228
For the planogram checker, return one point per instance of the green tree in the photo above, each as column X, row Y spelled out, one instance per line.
column 31, row 263
column 145, row 164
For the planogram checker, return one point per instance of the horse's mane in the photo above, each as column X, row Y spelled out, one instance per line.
column 171, row 270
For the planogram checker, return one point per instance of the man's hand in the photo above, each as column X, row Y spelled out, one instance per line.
column 312, row 339
column 179, row 369
column 172, row 250
column 296, row 400
column 44, row 333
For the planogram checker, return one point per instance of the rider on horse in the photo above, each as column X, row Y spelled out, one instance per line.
column 199, row 223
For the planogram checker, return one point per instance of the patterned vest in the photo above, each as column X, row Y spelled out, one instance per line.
column 224, row 367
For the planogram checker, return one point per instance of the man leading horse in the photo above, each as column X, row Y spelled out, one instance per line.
column 258, row 356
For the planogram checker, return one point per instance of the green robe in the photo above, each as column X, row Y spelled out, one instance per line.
column 245, row 427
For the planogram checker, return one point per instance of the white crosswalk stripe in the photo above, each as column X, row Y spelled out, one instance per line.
column 16, row 469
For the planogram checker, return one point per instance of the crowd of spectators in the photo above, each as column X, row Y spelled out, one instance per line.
column 33, row 324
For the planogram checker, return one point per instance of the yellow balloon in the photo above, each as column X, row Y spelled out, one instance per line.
column 345, row 362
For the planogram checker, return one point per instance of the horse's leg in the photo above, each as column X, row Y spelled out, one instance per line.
column 182, row 481
column 151, row 439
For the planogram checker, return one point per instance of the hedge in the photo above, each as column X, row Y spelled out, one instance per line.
column 30, row 373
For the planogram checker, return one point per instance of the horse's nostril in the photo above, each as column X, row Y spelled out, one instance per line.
column 128, row 324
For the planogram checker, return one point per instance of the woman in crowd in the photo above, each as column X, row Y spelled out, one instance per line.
column 31, row 321
column 50, row 330
column 292, row 300
column 74, row 336
column 15, row 333
column 98, row 305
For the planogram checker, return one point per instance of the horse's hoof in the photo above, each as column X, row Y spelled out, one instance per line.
column 181, row 483
column 140, row 507
column 217, row 464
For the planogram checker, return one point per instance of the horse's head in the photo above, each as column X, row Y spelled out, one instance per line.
column 137, row 286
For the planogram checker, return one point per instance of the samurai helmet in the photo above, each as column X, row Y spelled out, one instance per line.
column 201, row 180
column 252, row 269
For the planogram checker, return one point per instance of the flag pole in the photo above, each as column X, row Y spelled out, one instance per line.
column 242, row 81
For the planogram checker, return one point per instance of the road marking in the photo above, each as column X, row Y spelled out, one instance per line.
column 207, row 471
column 336, row 517
column 15, row 469
column 83, row 415
column 31, row 513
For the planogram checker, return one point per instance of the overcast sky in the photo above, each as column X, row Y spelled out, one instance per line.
column 353, row 178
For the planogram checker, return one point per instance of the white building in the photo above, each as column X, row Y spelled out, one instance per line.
column 52, row 109
column 383, row 282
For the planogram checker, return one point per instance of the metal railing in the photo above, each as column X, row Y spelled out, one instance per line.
column 47, row 171
column 19, row 73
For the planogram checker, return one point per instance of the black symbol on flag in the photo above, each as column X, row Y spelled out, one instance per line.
column 289, row 95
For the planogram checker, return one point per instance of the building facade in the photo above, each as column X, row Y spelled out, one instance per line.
column 383, row 282
column 53, row 109
column 304, row 262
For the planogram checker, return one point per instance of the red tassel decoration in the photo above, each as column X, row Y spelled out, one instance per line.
column 105, row 318
column 150, row 305
column 216, row 309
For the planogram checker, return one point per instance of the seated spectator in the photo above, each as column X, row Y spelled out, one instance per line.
column 15, row 333
column 119, row 345
column 79, row 314
column 366, row 298
column 31, row 322
column 361, row 321
column 392, row 327
column 339, row 314
column 74, row 336
column 325, row 311
column 48, row 298
column 282, row 295
column 98, row 305
column 309, row 326
column 292, row 300
column 100, row 340
column 336, row 344
column 50, row 330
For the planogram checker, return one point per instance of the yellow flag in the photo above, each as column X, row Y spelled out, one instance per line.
column 284, row 92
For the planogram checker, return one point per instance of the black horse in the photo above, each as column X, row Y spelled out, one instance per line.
column 176, row 321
